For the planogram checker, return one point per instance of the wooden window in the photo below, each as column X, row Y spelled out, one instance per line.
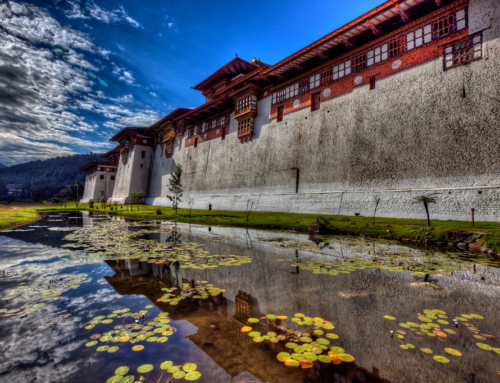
column 315, row 101
column 463, row 52
column 419, row 37
column 280, row 114
column 372, row 82
column 223, row 137
column 304, row 86
column 341, row 70
column 245, row 126
column 444, row 26
column 112, row 178
column 143, row 154
column 397, row 46
column 359, row 62
column 314, row 81
column 101, row 176
column 196, row 142
column 281, row 95
column 326, row 76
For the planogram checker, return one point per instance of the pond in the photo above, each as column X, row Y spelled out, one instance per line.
column 92, row 298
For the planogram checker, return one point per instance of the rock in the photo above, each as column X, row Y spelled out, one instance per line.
column 462, row 246
column 388, row 231
column 429, row 228
column 475, row 248
column 484, row 249
column 405, row 239
column 451, row 244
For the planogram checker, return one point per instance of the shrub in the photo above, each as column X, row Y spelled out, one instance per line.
column 158, row 211
column 91, row 203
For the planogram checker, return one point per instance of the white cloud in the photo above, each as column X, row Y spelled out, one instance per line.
column 73, row 10
column 153, row 94
column 103, row 52
column 123, row 75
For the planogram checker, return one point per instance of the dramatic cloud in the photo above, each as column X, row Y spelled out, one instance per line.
column 45, row 87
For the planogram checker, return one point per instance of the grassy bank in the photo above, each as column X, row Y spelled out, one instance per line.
column 394, row 228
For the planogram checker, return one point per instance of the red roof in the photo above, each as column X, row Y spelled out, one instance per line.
column 92, row 165
column 375, row 17
column 128, row 131
column 176, row 113
column 111, row 152
column 230, row 70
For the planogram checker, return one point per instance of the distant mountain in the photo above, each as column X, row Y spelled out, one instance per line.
column 2, row 166
column 46, row 178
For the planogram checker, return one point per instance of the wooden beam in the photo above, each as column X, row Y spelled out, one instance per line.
column 348, row 43
column 374, row 28
column 281, row 77
column 404, row 15
column 322, row 56
column 297, row 66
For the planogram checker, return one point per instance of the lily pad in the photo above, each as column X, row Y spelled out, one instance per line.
column 179, row 374
column 138, row 348
column 90, row 344
column 346, row 357
column 102, row 348
column 337, row 350
column 254, row 334
column 426, row 350
column 167, row 364
column 484, row 346
column 246, row 329
column 145, row 368
column 452, row 351
column 112, row 349
column 282, row 356
column 389, row 317
column 115, row 379
column 188, row 367
column 441, row 359
column 271, row 316
column 253, row 320
column 122, row 370
column 291, row 345
column 258, row 339
column 324, row 359
column 193, row 375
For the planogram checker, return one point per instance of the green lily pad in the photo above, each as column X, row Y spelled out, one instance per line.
column 179, row 374
column 291, row 345
column 167, row 364
column 484, row 346
column 145, row 368
column 346, row 357
column 102, row 348
column 324, row 359
column 282, row 356
column 299, row 315
column 113, row 349
column 122, row 370
column 389, row 317
column 253, row 320
column 305, row 339
column 149, row 306
column 128, row 379
column 193, row 375
column 188, row 367
column 271, row 316
column 332, row 336
column 337, row 350
column 258, row 339
column 441, row 359
column 115, row 379
column 90, row 344
column 253, row 334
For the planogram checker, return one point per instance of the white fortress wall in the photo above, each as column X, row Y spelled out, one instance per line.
column 420, row 131
column 134, row 175
column 94, row 184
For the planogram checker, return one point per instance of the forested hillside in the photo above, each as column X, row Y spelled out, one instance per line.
column 2, row 166
column 43, row 179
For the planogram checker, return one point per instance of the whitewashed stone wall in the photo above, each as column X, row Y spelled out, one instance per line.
column 134, row 175
column 94, row 184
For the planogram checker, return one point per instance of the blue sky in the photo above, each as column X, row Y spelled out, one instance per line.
column 74, row 72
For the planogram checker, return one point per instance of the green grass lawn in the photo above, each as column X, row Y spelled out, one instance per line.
column 395, row 228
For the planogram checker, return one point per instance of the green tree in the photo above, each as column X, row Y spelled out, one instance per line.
column 103, row 200
column 136, row 197
column 426, row 200
column 175, row 187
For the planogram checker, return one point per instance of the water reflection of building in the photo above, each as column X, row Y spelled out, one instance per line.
column 218, row 334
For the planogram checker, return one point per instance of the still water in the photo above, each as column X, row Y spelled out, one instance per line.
column 99, row 299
